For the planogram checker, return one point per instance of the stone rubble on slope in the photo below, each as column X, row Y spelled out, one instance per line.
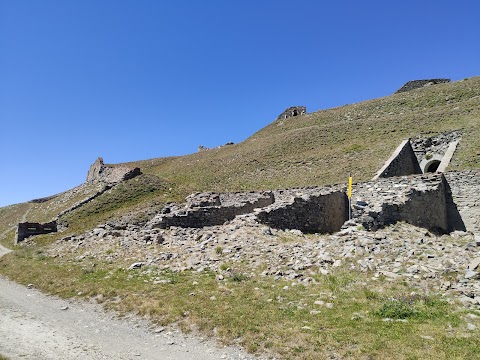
column 401, row 252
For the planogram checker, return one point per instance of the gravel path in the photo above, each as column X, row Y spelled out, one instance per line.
column 37, row 326
column 4, row 250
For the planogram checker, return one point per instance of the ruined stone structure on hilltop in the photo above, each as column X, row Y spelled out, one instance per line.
column 292, row 111
column 109, row 173
column 417, row 84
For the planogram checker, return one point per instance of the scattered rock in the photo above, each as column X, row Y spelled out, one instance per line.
column 474, row 264
column 471, row 327
column 136, row 265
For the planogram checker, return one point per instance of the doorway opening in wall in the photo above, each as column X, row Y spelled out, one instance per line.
column 432, row 167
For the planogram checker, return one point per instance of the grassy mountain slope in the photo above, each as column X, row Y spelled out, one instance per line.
column 314, row 149
column 262, row 313
column 322, row 147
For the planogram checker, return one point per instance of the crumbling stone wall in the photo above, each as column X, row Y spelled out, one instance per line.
column 27, row 229
column 402, row 162
column 292, row 111
column 324, row 212
column 421, row 200
column 209, row 209
column 110, row 173
column 465, row 192
column 417, row 84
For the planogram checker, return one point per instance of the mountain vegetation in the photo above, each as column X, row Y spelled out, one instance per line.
column 315, row 149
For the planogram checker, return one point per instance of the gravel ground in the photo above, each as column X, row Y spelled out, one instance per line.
column 36, row 326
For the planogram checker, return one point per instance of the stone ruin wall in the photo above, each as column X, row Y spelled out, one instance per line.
column 402, row 162
column 27, row 229
column 418, row 200
column 465, row 193
column 209, row 209
column 428, row 201
column 311, row 211
column 292, row 111
column 417, row 84
column 439, row 202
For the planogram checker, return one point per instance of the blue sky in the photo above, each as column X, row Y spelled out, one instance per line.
column 137, row 79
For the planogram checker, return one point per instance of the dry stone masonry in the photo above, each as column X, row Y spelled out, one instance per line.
column 256, row 245
column 422, row 155
column 292, row 111
column 27, row 229
column 316, row 210
column 402, row 162
column 418, row 200
column 417, row 84
column 208, row 209
column 421, row 200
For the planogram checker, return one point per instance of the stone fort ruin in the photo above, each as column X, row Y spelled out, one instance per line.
column 421, row 155
column 435, row 201
column 411, row 187
column 292, row 111
column 417, row 84
column 27, row 229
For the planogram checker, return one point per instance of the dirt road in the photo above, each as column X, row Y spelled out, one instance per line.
column 36, row 326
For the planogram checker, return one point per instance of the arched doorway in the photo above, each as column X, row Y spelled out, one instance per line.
column 431, row 165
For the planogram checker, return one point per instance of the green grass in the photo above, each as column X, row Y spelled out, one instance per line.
column 322, row 147
column 128, row 197
column 256, row 312
column 263, row 314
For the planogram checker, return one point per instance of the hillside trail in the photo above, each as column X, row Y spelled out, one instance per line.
column 3, row 234
column 36, row 326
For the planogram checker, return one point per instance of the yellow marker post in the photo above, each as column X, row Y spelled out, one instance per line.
column 349, row 191
column 349, row 195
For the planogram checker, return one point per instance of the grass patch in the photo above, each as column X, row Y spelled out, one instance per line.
column 412, row 306
column 263, row 314
column 260, row 313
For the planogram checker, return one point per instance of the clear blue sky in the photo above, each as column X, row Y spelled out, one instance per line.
column 137, row 79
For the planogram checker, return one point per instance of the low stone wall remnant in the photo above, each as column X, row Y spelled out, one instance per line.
column 426, row 201
column 209, row 209
column 313, row 211
column 27, row 229
column 417, row 84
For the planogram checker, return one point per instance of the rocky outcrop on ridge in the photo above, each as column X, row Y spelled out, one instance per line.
column 100, row 172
